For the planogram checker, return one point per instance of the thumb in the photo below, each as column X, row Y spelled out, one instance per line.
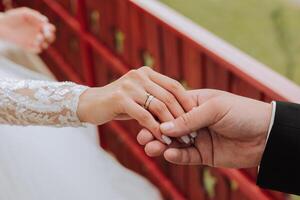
column 200, row 117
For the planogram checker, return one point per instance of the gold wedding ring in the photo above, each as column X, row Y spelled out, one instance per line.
column 148, row 101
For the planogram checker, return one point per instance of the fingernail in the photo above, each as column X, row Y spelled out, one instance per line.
column 186, row 139
column 46, row 31
column 166, row 139
column 194, row 134
column 192, row 140
column 167, row 126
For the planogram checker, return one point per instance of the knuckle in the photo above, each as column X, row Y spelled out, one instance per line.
column 185, row 120
column 118, row 96
column 160, row 108
column 145, row 118
column 127, row 85
column 170, row 99
column 24, row 9
column 27, row 12
column 25, row 16
column 145, row 69
column 175, row 86
column 146, row 121
column 135, row 74
column 132, row 71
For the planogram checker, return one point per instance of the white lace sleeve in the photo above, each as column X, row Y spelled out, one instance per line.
column 30, row 102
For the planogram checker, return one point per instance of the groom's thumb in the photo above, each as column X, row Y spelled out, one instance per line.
column 199, row 117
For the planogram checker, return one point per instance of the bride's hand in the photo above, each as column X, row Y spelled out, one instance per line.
column 27, row 28
column 125, row 98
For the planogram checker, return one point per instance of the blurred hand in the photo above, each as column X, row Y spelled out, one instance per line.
column 27, row 28
column 232, row 131
column 125, row 98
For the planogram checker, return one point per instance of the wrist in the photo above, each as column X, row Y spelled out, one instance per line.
column 94, row 106
column 83, row 105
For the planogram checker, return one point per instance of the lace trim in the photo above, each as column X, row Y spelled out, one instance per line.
column 30, row 102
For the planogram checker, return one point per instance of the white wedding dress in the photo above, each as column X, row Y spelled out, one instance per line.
column 51, row 163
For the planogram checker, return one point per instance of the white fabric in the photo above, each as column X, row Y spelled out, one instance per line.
column 272, row 119
column 61, row 163
column 36, row 102
column 31, row 61
column 271, row 124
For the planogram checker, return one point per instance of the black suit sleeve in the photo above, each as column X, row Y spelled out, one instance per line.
column 280, row 164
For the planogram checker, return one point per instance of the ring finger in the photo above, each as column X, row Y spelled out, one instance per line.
column 166, row 97
column 152, row 104
column 170, row 101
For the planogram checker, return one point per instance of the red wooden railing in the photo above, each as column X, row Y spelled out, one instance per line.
column 98, row 40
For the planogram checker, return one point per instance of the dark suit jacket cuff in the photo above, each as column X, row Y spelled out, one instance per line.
column 280, row 164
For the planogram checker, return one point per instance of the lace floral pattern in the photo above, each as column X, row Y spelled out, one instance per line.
column 30, row 102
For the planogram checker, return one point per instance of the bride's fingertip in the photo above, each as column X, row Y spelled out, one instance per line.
column 47, row 31
column 51, row 28
column 155, row 148
column 144, row 137
column 172, row 155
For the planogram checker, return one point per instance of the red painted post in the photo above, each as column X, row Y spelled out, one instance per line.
column 171, row 50
column 193, row 66
column 193, row 77
column 1, row 6
column 170, row 65
column 64, row 67
column 156, row 174
column 216, row 76
column 85, row 49
column 152, row 53
column 137, row 35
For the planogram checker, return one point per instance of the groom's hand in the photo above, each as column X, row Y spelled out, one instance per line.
column 232, row 131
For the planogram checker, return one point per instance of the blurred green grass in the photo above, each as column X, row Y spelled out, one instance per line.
column 268, row 30
column 294, row 197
